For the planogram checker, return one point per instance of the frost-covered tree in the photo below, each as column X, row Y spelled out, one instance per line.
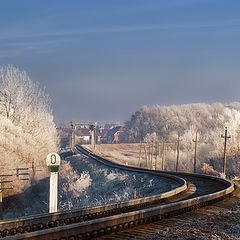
column 208, row 120
column 149, row 138
column 27, row 128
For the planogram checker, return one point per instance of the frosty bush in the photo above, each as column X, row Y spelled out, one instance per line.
column 116, row 176
column 72, row 183
column 206, row 168
column 86, row 182
column 28, row 132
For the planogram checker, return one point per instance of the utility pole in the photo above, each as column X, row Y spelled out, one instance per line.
column 226, row 137
column 156, row 153
column 152, row 149
column 140, row 154
column 163, row 154
column 195, row 152
column 146, row 156
column 178, row 146
column 149, row 155
column 159, row 152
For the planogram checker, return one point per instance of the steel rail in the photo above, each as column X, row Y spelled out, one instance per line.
column 45, row 221
column 211, row 189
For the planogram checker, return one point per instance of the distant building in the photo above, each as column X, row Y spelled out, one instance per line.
column 82, row 125
column 82, row 135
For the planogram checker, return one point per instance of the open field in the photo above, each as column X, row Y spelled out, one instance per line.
column 128, row 153
column 124, row 153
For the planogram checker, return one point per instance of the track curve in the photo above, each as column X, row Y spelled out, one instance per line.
column 46, row 221
column 202, row 190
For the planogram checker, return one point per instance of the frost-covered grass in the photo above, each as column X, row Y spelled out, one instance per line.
column 128, row 153
column 85, row 183
column 124, row 153
column 95, row 184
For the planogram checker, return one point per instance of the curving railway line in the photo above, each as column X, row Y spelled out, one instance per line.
column 192, row 191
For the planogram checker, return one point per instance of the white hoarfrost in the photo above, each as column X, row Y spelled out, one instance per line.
column 115, row 176
column 165, row 123
column 84, row 183
column 28, row 132
column 73, row 182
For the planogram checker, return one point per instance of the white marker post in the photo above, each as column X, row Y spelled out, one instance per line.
column 53, row 162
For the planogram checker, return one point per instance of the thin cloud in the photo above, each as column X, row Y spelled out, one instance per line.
column 106, row 30
column 14, row 45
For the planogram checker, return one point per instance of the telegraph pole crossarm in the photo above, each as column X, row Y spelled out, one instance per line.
column 226, row 137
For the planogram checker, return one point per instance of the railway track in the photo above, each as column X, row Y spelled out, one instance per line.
column 47, row 221
column 193, row 191
column 173, row 227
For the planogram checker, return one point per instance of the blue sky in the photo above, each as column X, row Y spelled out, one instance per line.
column 101, row 60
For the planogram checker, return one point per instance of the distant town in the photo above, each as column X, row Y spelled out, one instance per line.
column 81, row 133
